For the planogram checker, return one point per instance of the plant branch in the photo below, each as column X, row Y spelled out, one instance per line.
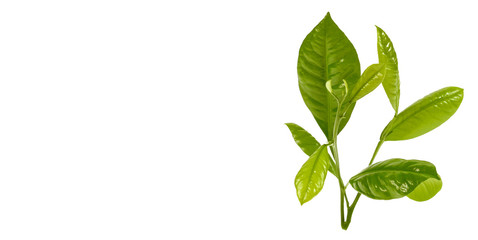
column 351, row 208
column 344, row 201
column 376, row 151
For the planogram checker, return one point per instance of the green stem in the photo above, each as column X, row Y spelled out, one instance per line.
column 335, row 154
column 351, row 208
column 376, row 151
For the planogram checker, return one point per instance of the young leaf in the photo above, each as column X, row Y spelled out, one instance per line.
column 304, row 139
column 424, row 115
column 311, row 177
column 326, row 54
column 393, row 178
column 388, row 56
column 370, row 79
column 328, row 86
column 307, row 143
column 426, row 190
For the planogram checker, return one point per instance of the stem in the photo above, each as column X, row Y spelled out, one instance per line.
column 351, row 208
column 335, row 154
column 346, row 199
column 343, row 195
column 376, row 151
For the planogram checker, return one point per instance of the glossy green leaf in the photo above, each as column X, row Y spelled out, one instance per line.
column 307, row 142
column 426, row 190
column 311, row 177
column 326, row 54
column 388, row 56
column 304, row 139
column 370, row 79
column 424, row 115
column 393, row 178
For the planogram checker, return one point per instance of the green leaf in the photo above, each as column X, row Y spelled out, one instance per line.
column 393, row 178
column 388, row 56
column 307, row 142
column 326, row 54
column 311, row 177
column 426, row 190
column 328, row 86
column 304, row 139
column 424, row 115
column 370, row 79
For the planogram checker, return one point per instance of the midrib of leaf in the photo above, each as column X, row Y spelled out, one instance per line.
column 394, row 67
column 362, row 175
column 329, row 97
column 420, row 110
column 311, row 172
column 391, row 63
column 364, row 85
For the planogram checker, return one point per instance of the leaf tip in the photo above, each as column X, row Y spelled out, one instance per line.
column 426, row 190
column 346, row 86
column 457, row 90
column 327, row 17
column 301, row 199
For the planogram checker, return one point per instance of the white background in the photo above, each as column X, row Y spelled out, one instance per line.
column 164, row 119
